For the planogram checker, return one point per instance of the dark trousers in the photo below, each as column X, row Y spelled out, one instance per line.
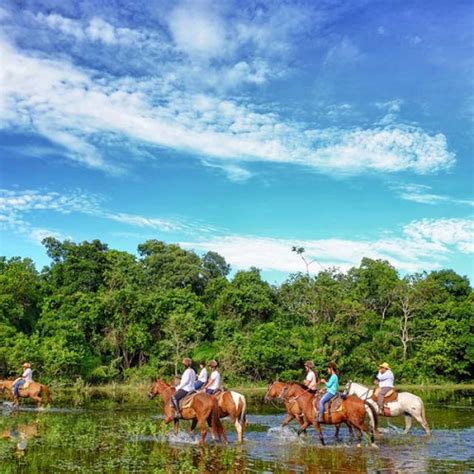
column 198, row 384
column 211, row 391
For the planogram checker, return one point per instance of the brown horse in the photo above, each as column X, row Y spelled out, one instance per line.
column 203, row 408
column 277, row 389
column 233, row 405
column 353, row 412
column 34, row 390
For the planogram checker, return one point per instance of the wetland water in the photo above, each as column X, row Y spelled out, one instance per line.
column 111, row 434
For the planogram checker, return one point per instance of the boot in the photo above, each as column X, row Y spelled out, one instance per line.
column 177, row 414
column 320, row 418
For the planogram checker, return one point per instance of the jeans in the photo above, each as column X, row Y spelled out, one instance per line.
column 211, row 391
column 326, row 397
column 16, row 388
column 198, row 384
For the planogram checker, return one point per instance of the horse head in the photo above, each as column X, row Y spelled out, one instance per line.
column 348, row 387
column 274, row 390
column 158, row 387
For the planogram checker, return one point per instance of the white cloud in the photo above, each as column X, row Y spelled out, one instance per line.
column 424, row 245
column 423, row 194
column 70, row 106
column 16, row 206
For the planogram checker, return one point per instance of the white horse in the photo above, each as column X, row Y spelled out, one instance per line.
column 407, row 404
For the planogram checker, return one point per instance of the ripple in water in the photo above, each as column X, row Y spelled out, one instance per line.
column 283, row 434
column 182, row 438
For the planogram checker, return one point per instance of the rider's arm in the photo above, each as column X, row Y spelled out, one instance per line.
column 383, row 377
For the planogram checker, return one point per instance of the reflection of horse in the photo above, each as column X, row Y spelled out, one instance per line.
column 21, row 434
column 353, row 411
column 407, row 403
column 233, row 405
column 276, row 390
column 34, row 390
column 202, row 407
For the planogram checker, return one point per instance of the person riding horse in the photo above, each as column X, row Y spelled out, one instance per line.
column 25, row 379
column 214, row 382
column 332, row 386
column 386, row 382
column 185, row 386
column 311, row 380
column 202, row 377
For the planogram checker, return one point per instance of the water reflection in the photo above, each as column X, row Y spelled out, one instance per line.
column 133, row 440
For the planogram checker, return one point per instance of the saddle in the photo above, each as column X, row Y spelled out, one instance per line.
column 390, row 396
column 335, row 404
column 186, row 401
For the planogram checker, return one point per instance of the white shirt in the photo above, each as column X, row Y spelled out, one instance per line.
column 203, row 375
column 187, row 380
column 311, row 378
column 215, row 377
column 386, row 379
column 27, row 375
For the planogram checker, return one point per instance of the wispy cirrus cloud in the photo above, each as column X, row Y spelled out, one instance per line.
column 17, row 208
column 424, row 194
column 422, row 245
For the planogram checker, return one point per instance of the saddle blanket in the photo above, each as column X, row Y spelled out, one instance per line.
column 335, row 404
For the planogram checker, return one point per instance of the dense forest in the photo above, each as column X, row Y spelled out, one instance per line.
column 105, row 315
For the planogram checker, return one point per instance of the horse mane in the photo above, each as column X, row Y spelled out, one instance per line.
column 302, row 385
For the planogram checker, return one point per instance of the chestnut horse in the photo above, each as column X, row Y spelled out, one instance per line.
column 276, row 390
column 34, row 390
column 203, row 408
column 233, row 405
column 353, row 412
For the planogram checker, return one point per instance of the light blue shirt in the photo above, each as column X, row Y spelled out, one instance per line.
column 332, row 385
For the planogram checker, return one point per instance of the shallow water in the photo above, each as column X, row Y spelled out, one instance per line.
column 106, row 436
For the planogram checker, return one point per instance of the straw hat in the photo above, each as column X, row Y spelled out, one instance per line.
column 384, row 366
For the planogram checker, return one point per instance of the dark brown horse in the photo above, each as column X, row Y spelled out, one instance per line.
column 202, row 408
column 353, row 412
column 34, row 390
column 276, row 390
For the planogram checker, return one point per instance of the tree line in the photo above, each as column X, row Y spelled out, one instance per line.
column 106, row 315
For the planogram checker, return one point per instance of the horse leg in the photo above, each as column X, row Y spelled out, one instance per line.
column 239, row 429
column 320, row 432
column 193, row 427
column 176, row 426
column 421, row 419
column 338, row 427
column 408, row 422
column 288, row 420
column 351, row 430
column 203, row 428
column 303, row 427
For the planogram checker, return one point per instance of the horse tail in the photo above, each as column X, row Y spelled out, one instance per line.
column 216, row 424
column 243, row 413
column 373, row 419
column 423, row 417
column 46, row 391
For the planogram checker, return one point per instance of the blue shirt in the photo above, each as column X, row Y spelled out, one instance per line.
column 332, row 385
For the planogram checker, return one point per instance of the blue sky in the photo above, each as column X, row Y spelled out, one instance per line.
column 241, row 127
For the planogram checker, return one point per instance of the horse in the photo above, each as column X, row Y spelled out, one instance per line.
column 34, row 390
column 353, row 412
column 233, row 405
column 407, row 403
column 276, row 390
column 203, row 408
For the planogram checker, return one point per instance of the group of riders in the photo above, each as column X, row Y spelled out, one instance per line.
column 211, row 383
column 190, row 382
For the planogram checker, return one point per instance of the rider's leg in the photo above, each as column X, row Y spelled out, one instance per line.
column 175, row 400
column 381, row 397
column 326, row 397
column 16, row 388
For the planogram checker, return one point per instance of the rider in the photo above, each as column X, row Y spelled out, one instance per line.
column 26, row 378
column 332, row 386
column 311, row 380
column 214, row 382
column 386, row 382
column 185, row 386
column 202, row 377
